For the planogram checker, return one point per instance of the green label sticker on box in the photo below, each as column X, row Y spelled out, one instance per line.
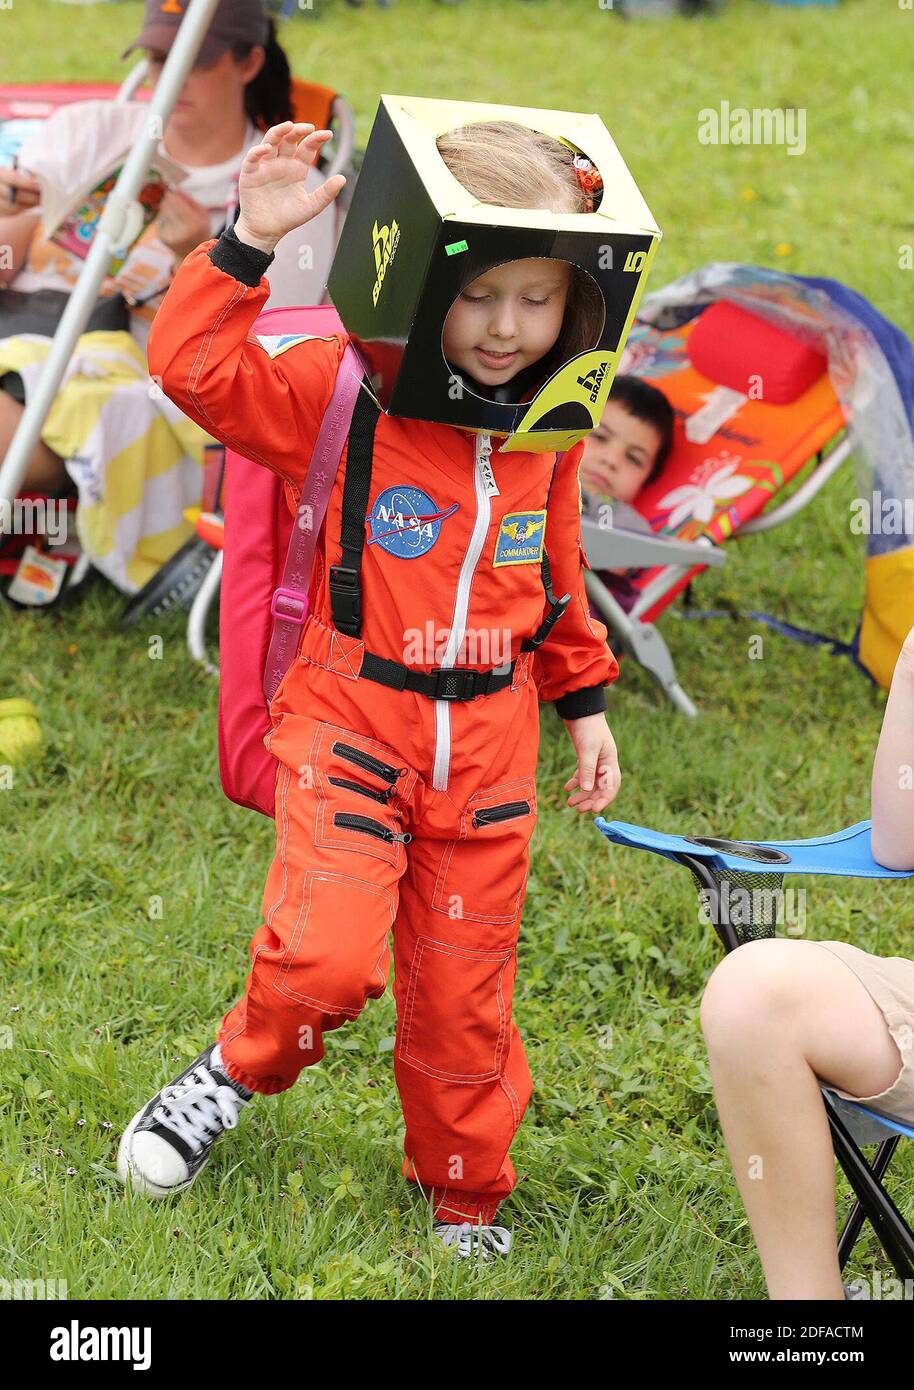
column 456, row 246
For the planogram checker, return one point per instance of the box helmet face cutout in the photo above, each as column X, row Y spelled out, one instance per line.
column 513, row 328
column 415, row 240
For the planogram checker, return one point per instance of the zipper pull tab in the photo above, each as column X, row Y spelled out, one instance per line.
column 484, row 445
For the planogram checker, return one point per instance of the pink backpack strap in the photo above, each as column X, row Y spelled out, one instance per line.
column 289, row 607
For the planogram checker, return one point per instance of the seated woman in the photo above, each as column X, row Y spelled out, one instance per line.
column 133, row 458
column 622, row 455
column 781, row 1016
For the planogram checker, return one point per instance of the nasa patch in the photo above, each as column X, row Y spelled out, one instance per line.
column 406, row 522
column 520, row 539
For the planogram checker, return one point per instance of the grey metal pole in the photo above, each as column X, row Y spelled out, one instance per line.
column 110, row 233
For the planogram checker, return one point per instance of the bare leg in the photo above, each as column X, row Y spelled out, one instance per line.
column 45, row 471
column 777, row 1015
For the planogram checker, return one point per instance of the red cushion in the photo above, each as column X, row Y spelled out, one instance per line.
column 735, row 348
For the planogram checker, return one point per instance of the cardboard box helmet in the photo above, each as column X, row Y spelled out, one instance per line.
column 415, row 238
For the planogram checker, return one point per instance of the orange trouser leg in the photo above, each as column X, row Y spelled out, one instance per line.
column 328, row 905
column 459, row 1062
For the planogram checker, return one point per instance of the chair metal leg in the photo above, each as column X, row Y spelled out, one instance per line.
column 706, row 882
column 894, row 1234
column 854, row 1223
column 78, row 571
column 644, row 642
column 196, row 622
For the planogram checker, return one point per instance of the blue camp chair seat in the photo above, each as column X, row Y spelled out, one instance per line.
column 862, row 1121
column 845, row 854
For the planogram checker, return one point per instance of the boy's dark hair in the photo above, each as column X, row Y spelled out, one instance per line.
column 646, row 403
column 268, row 97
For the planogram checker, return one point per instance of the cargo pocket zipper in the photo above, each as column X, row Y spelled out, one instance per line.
column 490, row 815
column 363, row 791
column 370, row 764
column 349, row 821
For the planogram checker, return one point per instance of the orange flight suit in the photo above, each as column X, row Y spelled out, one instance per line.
column 397, row 812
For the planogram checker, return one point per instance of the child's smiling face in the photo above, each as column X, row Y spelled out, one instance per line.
column 619, row 454
column 507, row 319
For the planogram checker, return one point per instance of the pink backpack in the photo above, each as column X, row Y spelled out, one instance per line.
column 267, row 562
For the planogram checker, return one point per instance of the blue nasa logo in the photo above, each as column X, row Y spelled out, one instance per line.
column 406, row 522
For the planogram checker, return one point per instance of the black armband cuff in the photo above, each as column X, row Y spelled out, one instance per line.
column 578, row 703
column 242, row 262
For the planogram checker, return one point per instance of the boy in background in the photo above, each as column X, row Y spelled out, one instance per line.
column 623, row 454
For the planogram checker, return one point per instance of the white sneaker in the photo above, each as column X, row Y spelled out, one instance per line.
column 168, row 1142
column 484, row 1241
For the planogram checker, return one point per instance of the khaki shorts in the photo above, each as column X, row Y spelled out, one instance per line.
column 889, row 980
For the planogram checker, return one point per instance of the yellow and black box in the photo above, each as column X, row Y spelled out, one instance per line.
column 414, row 238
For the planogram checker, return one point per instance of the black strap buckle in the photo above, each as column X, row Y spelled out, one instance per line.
column 346, row 598
column 548, row 623
column 448, row 684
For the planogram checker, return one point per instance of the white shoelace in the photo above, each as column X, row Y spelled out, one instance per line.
column 470, row 1240
column 217, row 1106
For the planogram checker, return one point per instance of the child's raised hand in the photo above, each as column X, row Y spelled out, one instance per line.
column 597, row 776
column 271, row 186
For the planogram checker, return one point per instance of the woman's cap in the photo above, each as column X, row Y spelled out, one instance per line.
column 234, row 22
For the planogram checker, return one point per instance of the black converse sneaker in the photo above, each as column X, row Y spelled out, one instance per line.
column 168, row 1142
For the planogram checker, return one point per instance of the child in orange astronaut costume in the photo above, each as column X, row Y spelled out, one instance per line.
column 395, row 810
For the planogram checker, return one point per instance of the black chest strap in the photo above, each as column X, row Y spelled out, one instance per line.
column 345, row 578
column 557, row 606
column 345, row 586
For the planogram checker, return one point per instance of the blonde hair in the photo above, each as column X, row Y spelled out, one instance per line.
column 511, row 166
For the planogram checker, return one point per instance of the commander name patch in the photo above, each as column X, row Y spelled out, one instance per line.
column 520, row 539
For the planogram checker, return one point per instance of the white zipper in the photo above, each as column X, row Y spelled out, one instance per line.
column 481, row 470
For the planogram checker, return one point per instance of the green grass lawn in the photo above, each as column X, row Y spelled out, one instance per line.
column 626, row 1191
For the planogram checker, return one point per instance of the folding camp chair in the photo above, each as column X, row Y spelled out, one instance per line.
column 741, row 884
column 110, row 234
column 22, row 106
column 732, row 456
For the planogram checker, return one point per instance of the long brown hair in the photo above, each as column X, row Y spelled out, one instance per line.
column 268, row 96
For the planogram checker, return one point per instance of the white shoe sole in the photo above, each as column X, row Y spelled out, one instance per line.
column 130, row 1174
